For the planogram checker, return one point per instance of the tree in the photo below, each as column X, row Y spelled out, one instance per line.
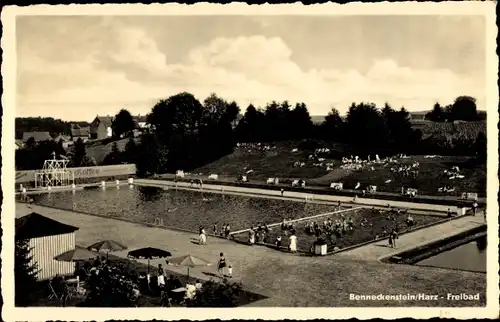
column 153, row 155
column 60, row 148
column 113, row 157
column 130, row 153
column 25, row 274
column 215, row 294
column 123, row 123
column 464, row 108
column 249, row 129
column 80, row 153
column 176, row 118
column 30, row 143
column 438, row 114
column 299, row 123
column 332, row 126
column 366, row 129
column 480, row 147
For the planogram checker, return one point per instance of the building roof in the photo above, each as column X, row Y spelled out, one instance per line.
column 35, row 225
column 38, row 136
column 140, row 118
column 62, row 137
column 82, row 131
column 106, row 120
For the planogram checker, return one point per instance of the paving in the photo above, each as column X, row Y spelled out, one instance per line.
column 407, row 241
column 260, row 269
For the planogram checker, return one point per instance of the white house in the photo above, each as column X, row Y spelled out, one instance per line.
column 47, row 238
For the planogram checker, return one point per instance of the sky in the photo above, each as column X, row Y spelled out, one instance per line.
column 77, row 67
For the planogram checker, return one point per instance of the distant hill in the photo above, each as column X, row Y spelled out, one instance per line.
column 99, row 149
column 317, row 119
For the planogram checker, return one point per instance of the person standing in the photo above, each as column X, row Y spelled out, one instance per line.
column 282, row 191
column 278, row 242
column 251, row 236
column 230, row 271
column 474, row 208
column 293, row 243
column 395, row 236
column 228, row 230
column 215, row 229
column 222, row 263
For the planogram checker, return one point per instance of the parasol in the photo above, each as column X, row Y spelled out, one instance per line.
column 107, row 246
column 188, row 261
column 77, row 254
column 149, row 253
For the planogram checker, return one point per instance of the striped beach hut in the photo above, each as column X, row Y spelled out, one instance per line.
column 47, row 239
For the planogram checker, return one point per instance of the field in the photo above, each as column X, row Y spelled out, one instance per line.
column 281, row 162
column 368, row 224
column 468, row 130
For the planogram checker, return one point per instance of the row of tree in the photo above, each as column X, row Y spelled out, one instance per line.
column 34, row 154
column 463, row 109
column 43, row 124
column 189, row 134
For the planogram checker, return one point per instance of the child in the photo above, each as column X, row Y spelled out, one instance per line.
column 230, row 271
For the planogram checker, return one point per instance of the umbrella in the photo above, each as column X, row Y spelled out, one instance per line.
column 149, row 253
column 107, row 246
column 79, row 253
column 188, row 261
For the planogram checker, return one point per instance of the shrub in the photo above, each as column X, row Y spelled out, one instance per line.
column 215, row 294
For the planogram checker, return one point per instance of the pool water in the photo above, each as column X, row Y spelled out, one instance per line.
column 181, row 208
column 470, row 256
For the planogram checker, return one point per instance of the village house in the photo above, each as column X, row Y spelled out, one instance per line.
column 82, row 133
column 141, row 121
column 37, row 136
column 100, row 128
column 66, row 140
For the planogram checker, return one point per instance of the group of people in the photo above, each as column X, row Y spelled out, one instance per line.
column 258, row 234
column 255, row 146
column 339, row 227
column 224, row 232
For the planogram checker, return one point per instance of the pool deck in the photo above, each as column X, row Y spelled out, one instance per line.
column 379, row 250
column 367, row 202
column 320, row 281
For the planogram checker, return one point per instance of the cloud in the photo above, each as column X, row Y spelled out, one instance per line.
column 126, row 68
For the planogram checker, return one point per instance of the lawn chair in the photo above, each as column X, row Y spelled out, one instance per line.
column 57, row 292
column 165, row 300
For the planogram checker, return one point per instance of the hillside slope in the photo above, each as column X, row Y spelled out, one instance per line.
column 99, row 150
column 280, row 160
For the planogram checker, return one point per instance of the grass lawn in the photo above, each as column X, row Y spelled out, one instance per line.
column 430, row 177
column 279, row 162
column 373, row 224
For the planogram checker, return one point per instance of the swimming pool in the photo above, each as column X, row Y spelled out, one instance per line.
column 177, row 208
column 470, row 257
